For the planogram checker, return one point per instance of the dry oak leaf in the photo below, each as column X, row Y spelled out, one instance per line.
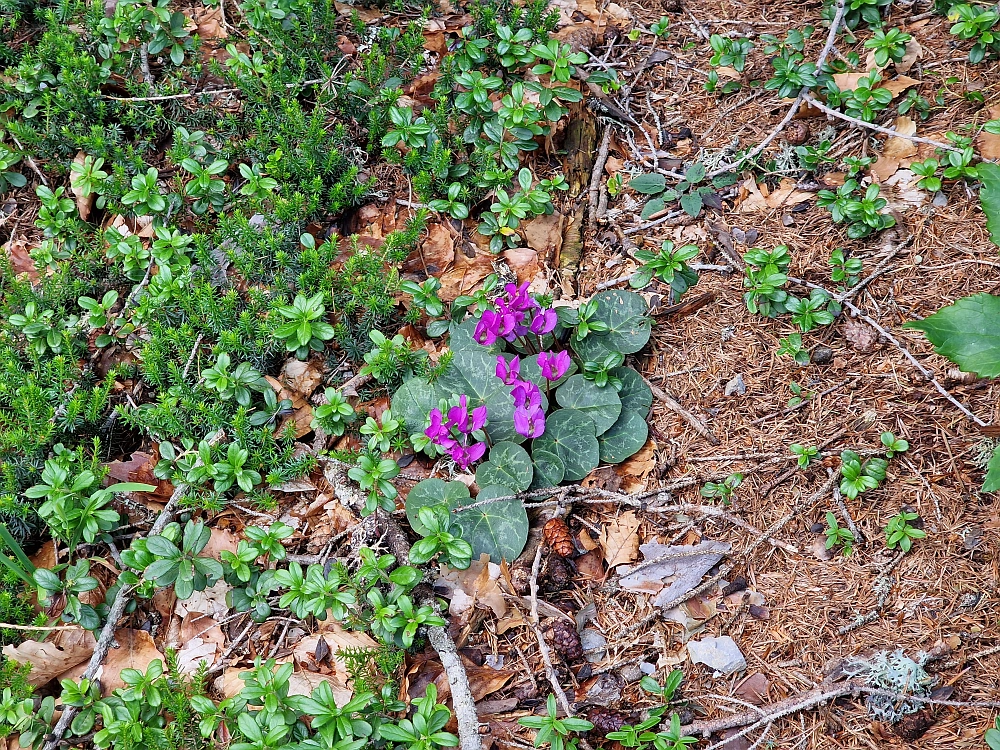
column 760, row 199
column 988, row 143
column 896, row 150
column 477, row 585
column 48, row 660
column 620, row 539
column 337, row 638
column 135, row 651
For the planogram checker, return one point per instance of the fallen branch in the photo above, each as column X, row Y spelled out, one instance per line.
column 595, row 177
column 857, row 313
column 461, row 691
column 877, row 128
column 675, row 406
column 543, row 647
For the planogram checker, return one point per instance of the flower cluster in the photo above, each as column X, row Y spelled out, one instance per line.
column 529, row 417
column 455, row 434
column 516, row 316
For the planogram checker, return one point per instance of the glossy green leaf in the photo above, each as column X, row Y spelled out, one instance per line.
column 498, row 529
column 629, row 326
column 509, row 465
column 433, row 492
column 602, row 405
column 635, row 393
column 991, row 483
column 648, row 184
column 625, row 438
column 989, row 197
column 412, row 403
column 549, row 468
column 571, row 435
column 967, row 333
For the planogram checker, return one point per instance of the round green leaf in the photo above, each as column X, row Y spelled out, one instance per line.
column 433, row 492
column 570, row 435
column 473, row 372
column 498, row 529
column 508, row 465
column 600, row 404
column 549, row 468
column 625, row 437
column 627, row 317
column 635, row 393
column 648, row 184
column 413, row 402
column 460, row 338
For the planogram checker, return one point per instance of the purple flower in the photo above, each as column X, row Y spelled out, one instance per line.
column 531, row 424
column 526, row 395
column 488, row 328
column 437, row 431
column 508, row 372
column 465, row 456
column 458, row 416
column 544, row 322
column 518, row 297
column 479, row 417
column 553, row 365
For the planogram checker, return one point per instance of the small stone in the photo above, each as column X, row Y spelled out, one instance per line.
column 736, row 386
column 594, row 645
column 631, row 673
column 817, row 528
column 822, row 355
column 647, row 668
column 940, row 199
column 721, row 654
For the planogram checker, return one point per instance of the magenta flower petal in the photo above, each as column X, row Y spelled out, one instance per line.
column 478, row 418
column 552, row 365
column 458, row 416
column 476, row 452
column 544, row 322
column 488, row 328
column 508, row 372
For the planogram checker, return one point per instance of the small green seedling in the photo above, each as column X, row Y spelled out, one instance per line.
column 554, row 730
column 804, row 455
column 838, row 536
column 899, row 532
column 722, row 490
column 893, row 445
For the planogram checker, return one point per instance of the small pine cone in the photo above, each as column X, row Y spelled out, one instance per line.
column 557, row 536
column 520, row 579
column 566, row 640
column 606, row 720
column 557, row 574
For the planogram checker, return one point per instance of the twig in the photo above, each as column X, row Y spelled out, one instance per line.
column 877, row 128
column 595, row 177
column 31, row 163
column 882, row 586
column 11, row 626
column 838, row 18
column 650, row 224
column 844, row 512
column 543, row 647
column 144, row 64
column 461, row 692
column 674, row 406
column 194, row 351
column 117, row 610
column 880, row 269
column 857, row 313
column 169, row 97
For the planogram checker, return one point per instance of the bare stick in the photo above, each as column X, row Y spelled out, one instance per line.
column 543, row 647
column 31, row 163
column 461, row 692
column 595, row 177
column 844, row 512
column 194, row 351
column 857, row 313
column 12, row 626
column 877, row 128
column 803, row 94
column 674, row 406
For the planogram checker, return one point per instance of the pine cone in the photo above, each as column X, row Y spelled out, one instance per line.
column 606, row 719
column 557, row 536
column 520, row 578
column 557, row 574
column 566, row 640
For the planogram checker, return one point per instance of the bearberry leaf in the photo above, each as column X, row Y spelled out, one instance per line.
column 967, row 333
column 648, row 184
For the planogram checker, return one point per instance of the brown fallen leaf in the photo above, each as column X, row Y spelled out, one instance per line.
column 483, row 680
column 590, row 566
column 139, row 468
column 754, row 689
column 304, row 682
column 523, row 262
column 465, row 274
column 760, row 199
column 899, row 84
column 136, row 650
column 337, row 638
column 988, row 143
column 896, row 150
column 913, row 53
column 48, row 660
column 636, row 469
column 620, row 539
column 302, row 378
column 437, row 251
column 477, row 585
column 84, row 203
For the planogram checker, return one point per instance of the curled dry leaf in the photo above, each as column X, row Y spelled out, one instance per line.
column 670, row 571
column 48, row 660
column 302, row 378
column 336, row 638
column 988, row 144
column 477, row 585
column 620, row 539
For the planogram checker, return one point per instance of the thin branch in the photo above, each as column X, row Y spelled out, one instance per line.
column 831, row 37
column 543, row 647
column 595, row 177
column 700, row 427
column 461, row 692
column 857, row 313
column 877, row 128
